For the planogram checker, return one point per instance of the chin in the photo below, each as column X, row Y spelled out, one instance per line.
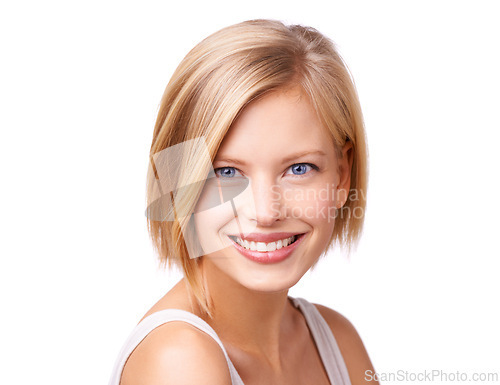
column 264, row 285
column 258, row 277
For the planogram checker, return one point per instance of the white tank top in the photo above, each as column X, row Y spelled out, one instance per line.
column 320, row 331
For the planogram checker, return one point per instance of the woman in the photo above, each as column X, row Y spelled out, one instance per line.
column 258, row 166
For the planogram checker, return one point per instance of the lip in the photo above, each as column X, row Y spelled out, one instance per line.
column 261, row 237
column 269, row 257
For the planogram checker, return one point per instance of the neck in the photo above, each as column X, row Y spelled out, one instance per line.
column 255, row 322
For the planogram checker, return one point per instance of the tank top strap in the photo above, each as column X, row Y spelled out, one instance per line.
column 325, row 342
column 151, row 322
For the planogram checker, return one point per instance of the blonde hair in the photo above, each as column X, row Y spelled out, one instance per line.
column 216, row 80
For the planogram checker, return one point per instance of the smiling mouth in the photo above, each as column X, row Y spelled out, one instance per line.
column 264, row 247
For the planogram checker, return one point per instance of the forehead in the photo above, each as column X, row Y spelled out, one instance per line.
column 279, row 123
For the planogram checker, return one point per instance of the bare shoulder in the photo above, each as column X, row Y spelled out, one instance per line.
column 176, row 353
column 350, row 344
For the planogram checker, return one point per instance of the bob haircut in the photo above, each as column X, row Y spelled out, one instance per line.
column 217, row 79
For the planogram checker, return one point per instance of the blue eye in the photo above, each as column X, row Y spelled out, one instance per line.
column 226, row 172
column 296, row 169
column 301, row 168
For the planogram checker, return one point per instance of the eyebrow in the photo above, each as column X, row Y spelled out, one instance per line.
column 285, row 160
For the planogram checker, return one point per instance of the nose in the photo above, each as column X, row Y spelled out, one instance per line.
column 266, row 202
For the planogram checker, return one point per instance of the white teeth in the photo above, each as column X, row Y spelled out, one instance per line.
column 262, row 246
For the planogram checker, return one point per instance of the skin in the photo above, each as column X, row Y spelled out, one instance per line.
column 265, row 336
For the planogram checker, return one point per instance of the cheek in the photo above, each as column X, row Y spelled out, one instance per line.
column 208, row 224
column 314, row 204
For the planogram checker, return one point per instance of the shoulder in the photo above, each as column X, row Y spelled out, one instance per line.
column 176, row 353
column 350, row 344
column 339, row 324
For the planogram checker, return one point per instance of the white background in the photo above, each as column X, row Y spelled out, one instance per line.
column 80, row 84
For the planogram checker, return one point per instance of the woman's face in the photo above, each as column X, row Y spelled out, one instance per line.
column 284, row 160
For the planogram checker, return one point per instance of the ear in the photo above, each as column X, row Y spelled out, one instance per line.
column 344, row 170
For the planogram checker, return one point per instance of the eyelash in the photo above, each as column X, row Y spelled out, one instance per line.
column 313, row 167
